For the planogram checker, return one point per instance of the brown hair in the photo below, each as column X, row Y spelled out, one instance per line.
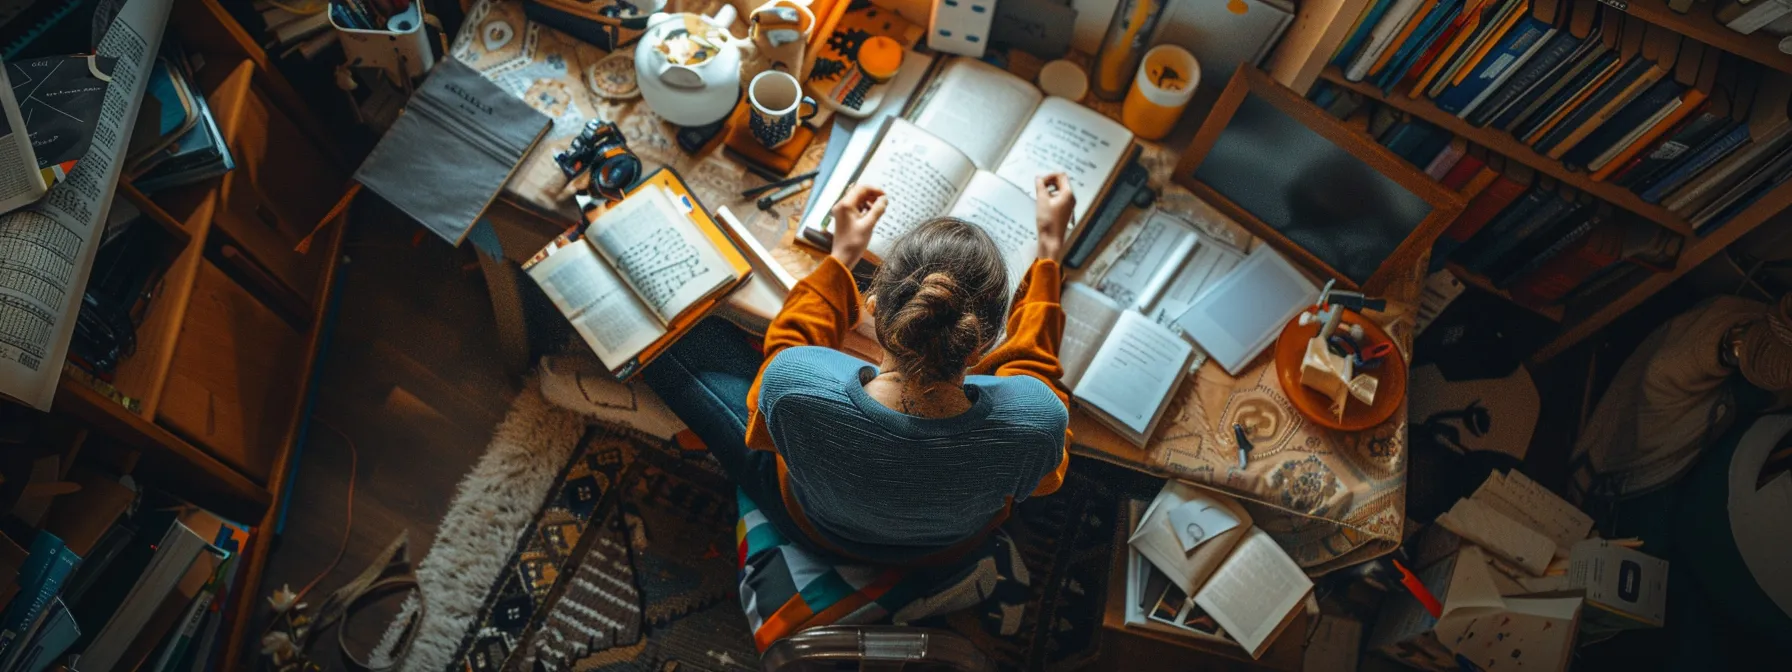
column 942, row 293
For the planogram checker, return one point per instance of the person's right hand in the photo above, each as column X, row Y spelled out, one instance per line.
column 854, row 217
column 1055, row 205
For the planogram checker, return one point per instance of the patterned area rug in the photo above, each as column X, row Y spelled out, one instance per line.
column 628, row 565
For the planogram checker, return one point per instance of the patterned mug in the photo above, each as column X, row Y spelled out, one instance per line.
column 778, row 102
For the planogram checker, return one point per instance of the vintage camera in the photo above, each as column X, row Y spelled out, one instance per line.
column 601, row 149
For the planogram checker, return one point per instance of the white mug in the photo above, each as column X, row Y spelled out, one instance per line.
column 777, row 101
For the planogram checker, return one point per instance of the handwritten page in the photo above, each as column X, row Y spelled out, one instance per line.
column 922, row 176
column 971, row 103
column 1088, row 317
column 1255, row 591
column 1134, row 371
column 1064, row 136
column 659, row 252
column 1521, row 499
column 602, row 308
column 1005, row 212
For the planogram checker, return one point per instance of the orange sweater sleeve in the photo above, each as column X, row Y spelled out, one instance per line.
column 820, row 310
column 1035, row 328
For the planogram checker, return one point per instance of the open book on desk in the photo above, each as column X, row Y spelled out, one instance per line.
column 645, row 272
column 1122, row 367
column 972, row 145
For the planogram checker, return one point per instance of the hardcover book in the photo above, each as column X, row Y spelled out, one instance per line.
column 459, row 139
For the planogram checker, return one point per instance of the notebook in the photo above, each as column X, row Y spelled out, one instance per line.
column 643, row 273
column 1121, row 366
column 452, row 150
column 1242, row 313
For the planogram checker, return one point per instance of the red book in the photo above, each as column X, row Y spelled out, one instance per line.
column 1462, row 172
column 1484, row 207
column 1553, row 280
column 1438, row 45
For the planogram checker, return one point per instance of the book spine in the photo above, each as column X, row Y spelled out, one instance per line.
column 1526, row 79
column 1485, row 207
column 1462, row 172
column 1359, row 36
column 1631, row 118
column 1439, row 46
column 1379, row 40
column 1527, row 46
column 1680, row 142
column 1691, row 104
column 1498, row 63
column 1481, row 245
column 1402, row 39
column 1555, row 278
column 62, row 561
column 1532, row 104
column 1569, row 99
column 1594, row 110
column 1697, row 163
column 1467, row 25
column 1555, row 248
column 1415, row 47
column 1446, row 160
column 1490, row 258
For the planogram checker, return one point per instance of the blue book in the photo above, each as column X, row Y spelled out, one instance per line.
column 1635, row 113
column 1697, row 163
column 1347, row 51
column 1405, row 137
column 1528, row 77
column 1589, row 108
column 39, row 581
column 1323, row 95
column 1502, row 224
column 1709, row 124
column 1485, row 258
column 1427, row 32
column 55, row 633
column 1563, row 96
column 1504, row 56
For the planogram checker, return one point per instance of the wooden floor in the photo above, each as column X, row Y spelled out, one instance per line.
column 409, row 377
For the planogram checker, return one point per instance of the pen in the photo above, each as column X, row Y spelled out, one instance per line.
column 756, row 191
column 766, row 202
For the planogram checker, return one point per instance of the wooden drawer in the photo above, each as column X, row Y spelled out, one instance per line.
column 279, row 190
column 234, row 382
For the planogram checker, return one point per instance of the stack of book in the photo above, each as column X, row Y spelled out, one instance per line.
column 176, row 140
column 1695, row 130
column 120, row 590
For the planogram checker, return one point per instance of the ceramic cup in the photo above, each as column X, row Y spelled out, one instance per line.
column 778, row 103
column 1166, row 81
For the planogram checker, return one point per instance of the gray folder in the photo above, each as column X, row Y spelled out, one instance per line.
column 446, row 157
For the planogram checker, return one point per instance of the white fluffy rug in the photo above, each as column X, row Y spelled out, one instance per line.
column 502, row 494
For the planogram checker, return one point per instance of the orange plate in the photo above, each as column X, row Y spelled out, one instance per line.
column 1389, row 392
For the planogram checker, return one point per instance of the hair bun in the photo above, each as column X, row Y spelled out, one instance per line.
column 936, row 325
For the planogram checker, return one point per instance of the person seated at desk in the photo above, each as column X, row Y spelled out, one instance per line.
column 913, row 461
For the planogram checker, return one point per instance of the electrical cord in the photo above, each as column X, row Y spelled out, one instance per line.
column 349, row 515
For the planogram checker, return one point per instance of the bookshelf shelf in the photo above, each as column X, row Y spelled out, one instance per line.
column 1701, row 24
column 1501, row 143
column 1554, row 313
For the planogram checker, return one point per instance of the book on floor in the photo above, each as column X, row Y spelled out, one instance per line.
column 1187, row 532
column 643, row 273
column 1256, row 592
column 972, row 145
column 1119, row 364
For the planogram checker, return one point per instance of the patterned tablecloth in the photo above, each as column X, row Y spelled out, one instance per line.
column 1330, row 498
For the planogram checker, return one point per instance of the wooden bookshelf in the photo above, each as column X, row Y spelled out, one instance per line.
column 1478, row 281
column 1701, row 24
column 1499, row 142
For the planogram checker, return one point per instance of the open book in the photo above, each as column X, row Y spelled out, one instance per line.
column 1121, row 365
column 645, row 271
column 1246, row 585
column 972, row 146
column 22, row 183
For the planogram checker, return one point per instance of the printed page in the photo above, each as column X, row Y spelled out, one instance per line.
column 20, row 182
column 975, row 107
column 1064, row 136
column 1209, row 262
column 1133, row 372
column 1522, row 500
column 601, row 307
column 1005, row 212
column 1254, row 591
column 49, row 248
column 922, row 176
column 659, row 252
column 1088, row 316
column 1154, row 257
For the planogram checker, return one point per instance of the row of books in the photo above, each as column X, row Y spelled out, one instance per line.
column 1683, row 125
column 1541, row 241
column 115, row 581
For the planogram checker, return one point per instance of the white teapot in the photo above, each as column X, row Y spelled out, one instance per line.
column 688, row 66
